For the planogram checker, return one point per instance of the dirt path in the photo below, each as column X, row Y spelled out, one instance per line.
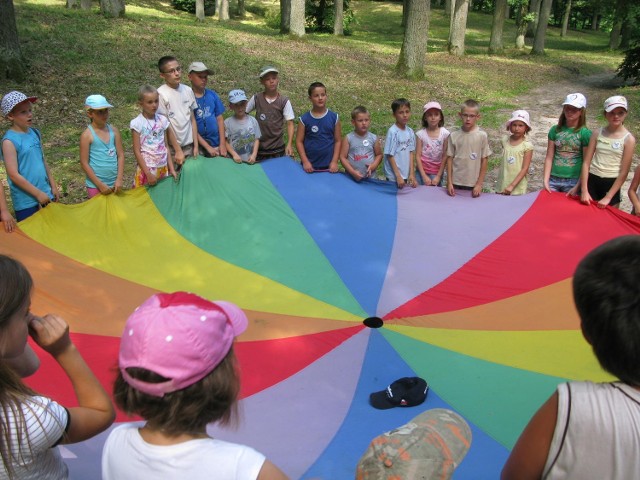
column 544, row 107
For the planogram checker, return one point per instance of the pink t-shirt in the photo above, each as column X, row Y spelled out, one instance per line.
column 431, row 154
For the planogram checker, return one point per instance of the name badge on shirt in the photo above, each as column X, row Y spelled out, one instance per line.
column 511, row 160
column 473, row 156
column 111, row 152
column 365, row 143
column 616, row 145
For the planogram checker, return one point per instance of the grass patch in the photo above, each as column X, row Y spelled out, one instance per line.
column 75, row 53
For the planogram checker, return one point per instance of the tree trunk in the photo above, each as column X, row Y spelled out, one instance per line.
column 242, row 11
column 285, row 15
column 447, row 8
column 499, row 14
column 200, row 10
column 625, row 35
column 521, row 24
column 594, row 22
column 223, row 11
column 618, row 19
column 458, row 27
column 11, row 61
column 112, row 8
column 541, row 29
column 296, row 22
column 533, row 25
column 72, row 4
column 405, row 12
column 85, row 4
column 565, row 19
column 414, row 45
column 338, row 17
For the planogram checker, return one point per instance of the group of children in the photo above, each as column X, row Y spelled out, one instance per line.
column 178, row 121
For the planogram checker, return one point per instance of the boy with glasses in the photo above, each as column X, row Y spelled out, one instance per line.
column 177, row 103
column 467, row 153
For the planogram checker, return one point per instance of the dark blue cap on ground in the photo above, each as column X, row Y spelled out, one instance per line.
column 404, row 392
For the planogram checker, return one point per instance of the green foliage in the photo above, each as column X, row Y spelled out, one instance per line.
column 190, row 6
column 272, row 18
column 320, row 16
column 630, row 66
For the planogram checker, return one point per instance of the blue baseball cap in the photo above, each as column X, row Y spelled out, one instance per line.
column 96, row 102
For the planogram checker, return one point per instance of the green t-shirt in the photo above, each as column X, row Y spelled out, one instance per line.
column 567, row 159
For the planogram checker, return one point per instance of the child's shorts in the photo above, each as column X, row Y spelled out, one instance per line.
column 141, row 179
column 559, row 184
column 599, row 187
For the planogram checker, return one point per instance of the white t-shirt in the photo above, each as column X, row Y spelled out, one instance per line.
column 45, row 424
column 177, row 104
column 126, row 456
column 597, row 433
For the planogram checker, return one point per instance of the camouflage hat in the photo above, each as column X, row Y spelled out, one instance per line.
column 430, row 446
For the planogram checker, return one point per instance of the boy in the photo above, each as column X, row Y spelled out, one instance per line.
column 400, row 146
column 31, row 184
column 592, row 430
column 360, row 153
column 467, row 153
column 242, row 130
column 209, row 112
column 272, row 111
column 319, row 133
column 177, row 103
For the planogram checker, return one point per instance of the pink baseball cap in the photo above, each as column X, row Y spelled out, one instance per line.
column 180, row 336
column 430, row 105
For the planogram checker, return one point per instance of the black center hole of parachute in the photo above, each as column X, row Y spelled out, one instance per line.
column 373, row 322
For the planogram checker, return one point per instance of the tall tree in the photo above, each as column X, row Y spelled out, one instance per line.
column 11, row 61
column 242, row 10
column 414, row 45
column 338, row 17
column 532, row 26
column 405, row 12
column 285, row 15
column 499, row 14
column 522, row 19
column 296, row 22
column 223, row 10
column 619, row 16
column 200, row 10
column 565, row 19
column 458, row 27
column 112, row 8
column 541, row 29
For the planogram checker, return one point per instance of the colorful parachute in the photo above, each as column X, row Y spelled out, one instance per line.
column 475, row 295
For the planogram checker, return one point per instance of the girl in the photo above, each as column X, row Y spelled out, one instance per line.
column 30, row 181
column 151, row 134
column 30, row 425
column 101, row 152
column 633, row 192
column 608, row 158
column 431, row 143
column 177, row 370
column 568, row 142
column 517, row 152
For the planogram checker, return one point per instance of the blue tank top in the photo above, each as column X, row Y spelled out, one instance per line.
column 103, row 159
column 30, row 166
column 318, row 138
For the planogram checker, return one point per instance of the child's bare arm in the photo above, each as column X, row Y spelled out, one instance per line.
column 344, row 160
column 254, row 152
column 412, row 170
column 120, row 153
column 5, row 215
column 11, row 165
column 170, row 165
column 585, row 197
column 95, row 412
column 443, row 163
column 270, row 472
column 194, row 129
column 173, row 139
column 337, row 140
column 51, row 180
column 396, row 171
column 529, row 455
column 213, row 151
column 231, row 151
column 548, row 163
column 306, row 164
column 425, row 179
column 526, row 162
column 449, row 166
column 222, row 149
column 633, row 191
column 477, row 188
column 290, row 131
column 625, row 166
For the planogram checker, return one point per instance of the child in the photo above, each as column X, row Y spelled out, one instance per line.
column 30, row 181
column 178, row 371
column 209, row 112
column 272, row 111
column 360, row 153
column 400, row 146
column 567, row 144
column 517, row 152
column 32, row 425
column 592, row 430
column 177, row 103
column 101, row 152
column 608, row 157
column 5, row 215
column 431, row 143
column 151, row 135
column 467, row 153
column 633, row 192
column 319, row 133
column 242, row 130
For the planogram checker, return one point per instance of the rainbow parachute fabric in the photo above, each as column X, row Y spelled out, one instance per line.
column 475, row 296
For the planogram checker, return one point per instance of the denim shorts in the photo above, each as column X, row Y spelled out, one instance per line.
column 557, row 184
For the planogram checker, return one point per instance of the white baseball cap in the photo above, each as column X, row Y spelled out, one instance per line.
column 577, row 100
column 614, row 102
